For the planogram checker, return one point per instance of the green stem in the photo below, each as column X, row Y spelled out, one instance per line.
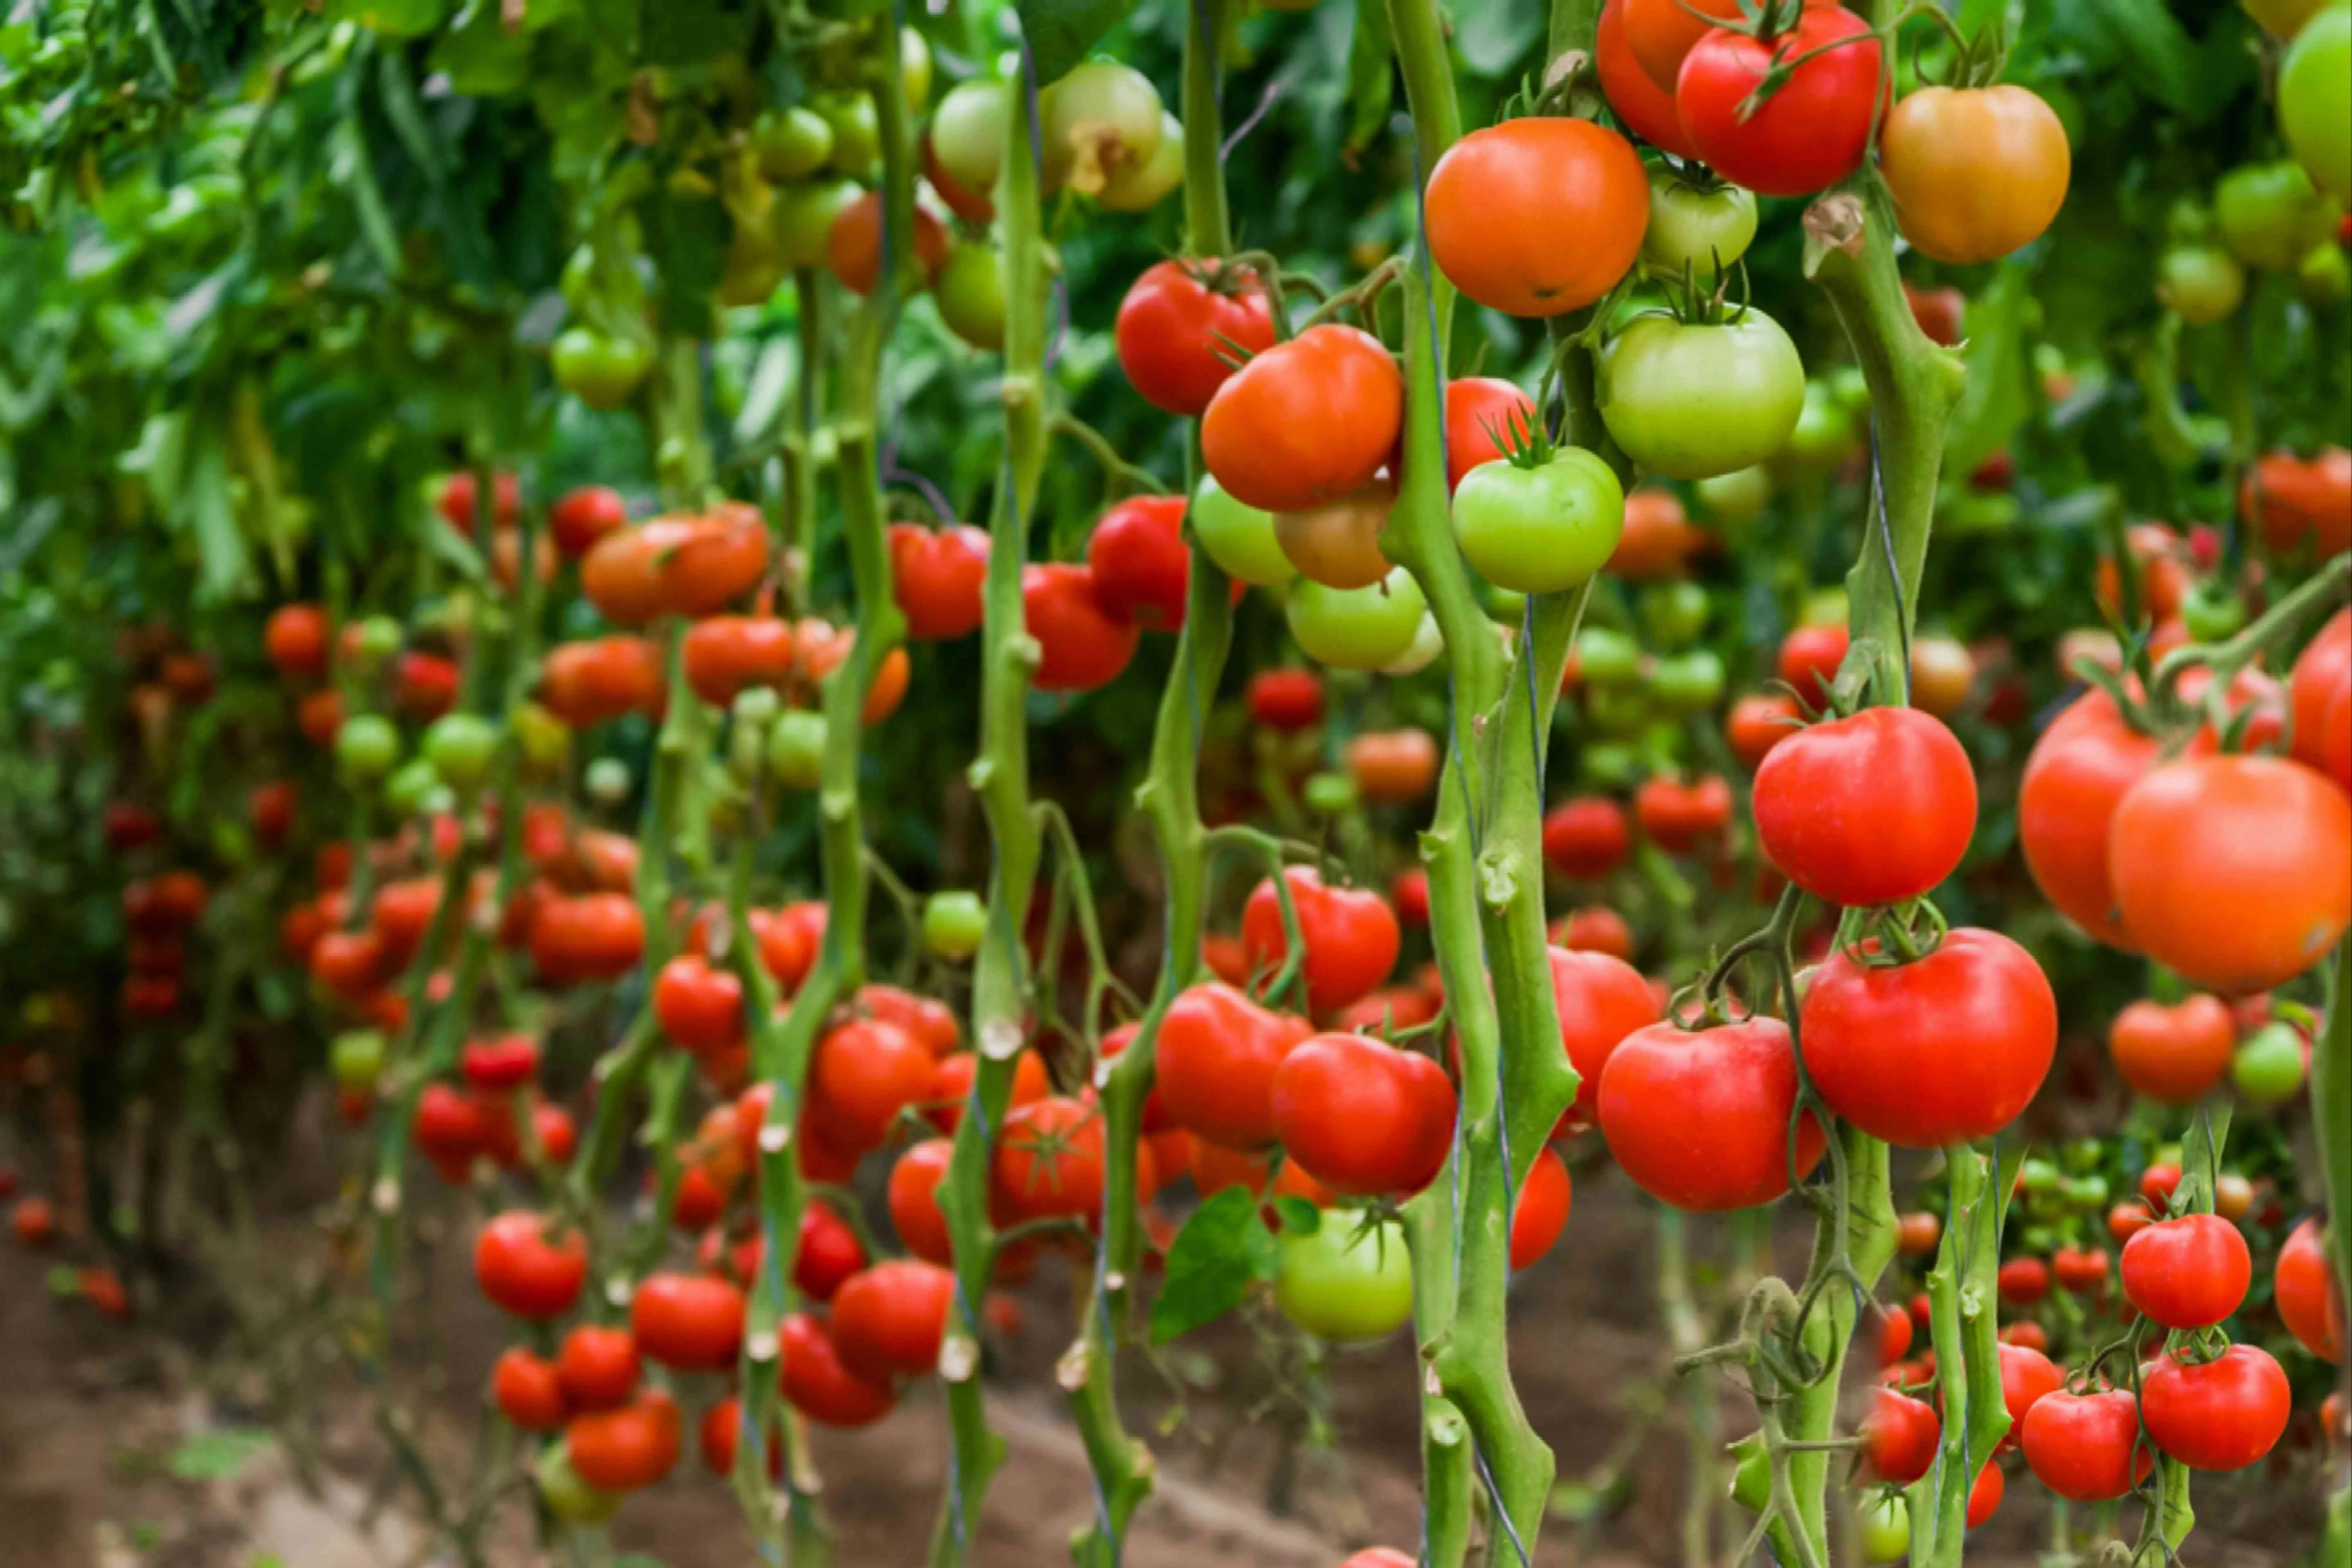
column 2331, row 1105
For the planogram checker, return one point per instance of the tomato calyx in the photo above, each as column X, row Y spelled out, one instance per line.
column 1898, row 937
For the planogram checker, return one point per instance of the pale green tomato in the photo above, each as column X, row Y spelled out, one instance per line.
column 1606, row 657
column 2201, row 283
column 800, row 218
column 970, row 292
column 1239, row 537
column 1618, row 712
column 569, row 1498
column 1508, row 608
column 914, row 68
column 1097, row 121
column 1329, row 794
column 379, row 638
column 1695, row 232
column 1543, row 529
column 1342, row 1286
column 856, row 133
column 1357, row 628
column 796, row 748
column 2314, row 99
column 1690, row 402
column 367, row 747
column 1739, row 496
column 412, row 788
column 1140, row 187
column 544, row 739
column 1428, row 643
column 791, row 143
column 954, row 923
column 2268, row 1067
column 2325, row 275
column 460, row 745
column 2269, row 214
column 1887, row 1529
column 1827, row 434
column 606, row 781
column 1825, row 607
column 356, row 1058
column 968, row 134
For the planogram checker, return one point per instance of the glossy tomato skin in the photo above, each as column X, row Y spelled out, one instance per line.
column 2234, row 871
column 1170, row 325
column 937, row 579
column 727, row 654
column 816, row 1383
column 889, row 1320
column 2323, row 672
column 1871, row 810
column 2188, row 1272
column 1586, row 838
column 526, row 1391
column 2310, row 1301
column 1537, row 217
column 625, row 1449
column 699, row 1008
column 1646, row 108
column 582, row 516
column 1600, row 999
column 865, row 1073
column 1659, row 35
column 1363, row 1118
column 1899, row 1436
column 1141, row 566
column 2027, row 1378
column 1758, row 723
column 2222, row 1415
column 1478, row 409
column 688, row 1322
column 295, row 637
column 520, row 1268
column 1306, row 421
column 1049, row 1162
column 1806, row 137
column 1700, row 1119
column 2082, row 1446
column 1946, row 1048
column 1218, row 1055
column 1541, row 1211
column 1693, row 401
column 1350, row 935
column 597, row 1367
column 1081, row 644
column 2301, row 505
column 1341, row 1285
column 1976, row 173
column 2077, row 775
column 2173, row 1054
column 914, row 1200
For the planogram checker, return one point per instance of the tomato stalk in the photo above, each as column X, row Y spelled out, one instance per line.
column 999, row 776
column 1170, row 800
column 1961, row 1297
column 802, row 410
column 2331, row 1105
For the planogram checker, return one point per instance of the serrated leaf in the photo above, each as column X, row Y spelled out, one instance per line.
column 1061, row 32
column 1222, row 1250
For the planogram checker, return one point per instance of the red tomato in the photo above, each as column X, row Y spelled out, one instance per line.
column 829, row 1253
column 526, row 1272
column 1364, row 1118
column 582, row 516
column 1601, row 999
column 1586, row 838
column 819, row 1386
column 1409, row 893
column 1541, row 1211
column 2173, row 1054
column 688, row 1322
column 721, row 1432
column 1286, row 700
column 938, row 580
column 597, row 1367
column 1394, row 767
column 1809, row 661
column 2027, row 1378
column 33, row 1222
column 865, row 1073
column 889, row 1320
column 1049, row 1162
column 295, row 638
column 1536, row 216
column 2027, row 1335
column 1350, row 935
column 2322, row 675
column 951, row 1080
column 727, row 654
column 2085, row 1446
column 1140, row 564
column 499, row 1062
column 1659, row 539
column 1170, row 327
column 1700, row 1119
column 1758, row 724
column 1155, row 1110
column 2301, row 505
column 2234, row 871
column 2077, row 774
column 2188, row 1272
column 929, row 1020
column 1812, row 132
column 1985, row 1494
column 1917, row 1233
column 1081, row 645
column 1307, row 422
column 595, row 936
column 458, row 501
column 1895, row 1333
column 2080, row 1270
column 1217, row 1056
column 1477, row 410
column 914, row 1200
column 2024, row 1281
column 526, row 1392
column 1595, row 928
column 1678, row 816
column 852, row 248
column 2310, row 1301
column 1646, row 108
column 1948, row 1049
column 1871, row 809
column 626, row 1449
column 2220, row 1414
column 1899, row 1436
column 699, row 1008
column 127, row 826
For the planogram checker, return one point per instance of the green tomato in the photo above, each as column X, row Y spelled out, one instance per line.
column 2314, row 99
column 2080, row 1154
column 356, row 1058
column 598, row 370
column 2211, row 612
column 1621, row 713
column 970, row 293
column 379, row 638
column 1330, row 794
column 2087, row 1192
column 1693, row 401
column 366, row 747
column 2039, row 1176
column 1673, row 613
column 953, row 924
column 1613, row 765
column 796, row 748
column 1740, row 496
column 1607, row 658
column 856, row 133
column 1110, row 110
column 968, row 133
column 2269, row 214
column 1239, row 537
column 1688, row 683
column 1695, row 232
column 544, row 739
column 459, row 747
column 1341, row 1285
column 2268, row 1067
column 1969, row 511
column 569, row 1498
column 1139, row 187
column 914, row 68
column 1827, row 434
column 1428, row 643
column 1543, row 529
column 791, row 143
column 1506, row 606
column 1887, row 1529
column 412, row 788
column 800, row 219
column 1357, row 628
column 606, row 781
column 2201, row 284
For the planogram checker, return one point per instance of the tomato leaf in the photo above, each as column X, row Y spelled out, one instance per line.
column 1371, row 73
column 1299, row 1217
column 686, row 32
column 1998, row 398
column 1060, row 32
column 1222, row 1249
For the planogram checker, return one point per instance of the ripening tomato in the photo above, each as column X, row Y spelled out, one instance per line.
column 1976, row 173
column 688, row 1322
column 816, row 1383
column 2323, row 673
column 585, row 684
column 2080, row 1270
column 1478, row 409
column 1285, row 700
column 1871, row 810
column 1141, row 568
column 1700, row 1119
column 625, row 1449
column 1586, row 838
column 2234, row 871
column 1659, row 539
column 865, row 1073
column 2022, row 1281
column 822, row 647
column 2310, row 1301
column 296, row 640
column 1337, row 543
column 2220, row 1414
column 1394, row 767
column 1170, row 325
column 1602, row 1001
column 33, row 1222
column 2301, row 505
column 720, row 1435
column 1757, row 723
column 1915, row 1232
column 1217, row 1056
column 1364, row 1118
column 937, row 579
column 1350, row 936
column 2173, row 1054
column 1899, row 1436
column 2086, row 1447
column 527, row 1269
column 889, row 1320
column 1081, row 646
column 1306, row 421
column 1646, row 108
column 2188, row 1272
column 1946, row 1048
column 2077, row 773
column 526, row 1391
column 727, row 654
column 1694, row 400
column 1379, row 1557
column 1539, row 1212
column 852, row 247
column 1536, row 216
column 1809, row 661
column 129, row 826
column 1812, row 132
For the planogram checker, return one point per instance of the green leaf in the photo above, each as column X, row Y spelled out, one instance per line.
column 1299, row 1217
column 1998, row 398
column 217, row 1456
column 1491, row 38
column 1061, row 32
column 1222, row 1249
column 688, row 31
column 1371, row 73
